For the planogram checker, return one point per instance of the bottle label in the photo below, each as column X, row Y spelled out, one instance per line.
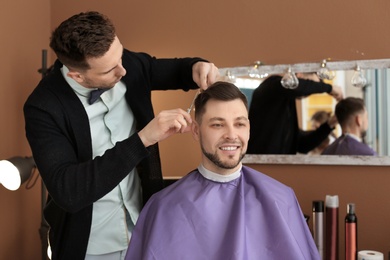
column 350, row 241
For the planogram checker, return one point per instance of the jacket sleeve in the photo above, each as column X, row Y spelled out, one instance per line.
column 305, row 88
column 163, row 73
column 308, row 140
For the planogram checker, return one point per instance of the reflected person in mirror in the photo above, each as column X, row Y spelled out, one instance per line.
column 222, row 209
column 352, row 116
column 274, row 119
column 99, row 157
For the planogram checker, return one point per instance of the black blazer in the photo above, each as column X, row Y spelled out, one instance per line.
column 274, row 120
column 58, row 132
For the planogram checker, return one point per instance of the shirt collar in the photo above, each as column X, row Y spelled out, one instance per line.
column 83, row 91
column 357, row 138
column 218, row 177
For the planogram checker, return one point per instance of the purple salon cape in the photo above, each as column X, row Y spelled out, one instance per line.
column 249, row 218
column 348, row 145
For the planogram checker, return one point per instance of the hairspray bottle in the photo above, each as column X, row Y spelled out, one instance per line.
column 318, row 226
column 332, row 227
column 350, row 233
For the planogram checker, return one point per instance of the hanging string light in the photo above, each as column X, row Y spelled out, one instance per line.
column 358, row 80
column 254, row 72
column 289, row 80
column 230, row 77
column 324, row 72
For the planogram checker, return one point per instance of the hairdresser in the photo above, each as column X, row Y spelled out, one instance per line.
column 274, row 119
column 93, row 134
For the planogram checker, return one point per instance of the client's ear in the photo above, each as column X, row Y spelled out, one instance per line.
column 195, row 130
column 359, row 119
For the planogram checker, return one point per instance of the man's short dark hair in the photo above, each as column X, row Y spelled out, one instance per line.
column 220, row 90
column 347, row 108
column 82, row 36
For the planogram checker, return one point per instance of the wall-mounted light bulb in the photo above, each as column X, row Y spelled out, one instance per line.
column 254, row 70
column 358, row 80
column 289, row 80
column 229, row 77
column 324, row 72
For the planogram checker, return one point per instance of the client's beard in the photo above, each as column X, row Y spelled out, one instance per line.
column 217, row 161
column 363, row 134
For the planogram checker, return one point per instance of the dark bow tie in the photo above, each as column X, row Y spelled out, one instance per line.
column 94, row 95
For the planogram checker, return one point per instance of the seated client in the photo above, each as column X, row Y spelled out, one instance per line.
column 352, row 116
column 222, row 209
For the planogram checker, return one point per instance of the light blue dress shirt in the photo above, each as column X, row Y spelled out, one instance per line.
column 114, row 215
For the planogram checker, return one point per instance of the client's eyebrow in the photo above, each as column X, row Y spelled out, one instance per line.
column 240, row 118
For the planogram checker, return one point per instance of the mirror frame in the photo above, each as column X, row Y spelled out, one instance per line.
column 306, row 67
column 299, row 159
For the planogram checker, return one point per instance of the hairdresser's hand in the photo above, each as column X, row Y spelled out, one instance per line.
column 204, row 74
column 337, row 93
column 332, row 121
column 165, row 124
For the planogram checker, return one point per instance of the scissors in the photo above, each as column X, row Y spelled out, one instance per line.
column 193, row 101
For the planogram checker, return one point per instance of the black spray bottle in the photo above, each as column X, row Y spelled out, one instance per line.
column 350, row 233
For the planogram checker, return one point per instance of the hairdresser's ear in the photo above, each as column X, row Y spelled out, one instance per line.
column 195, row 130
column 75, row 75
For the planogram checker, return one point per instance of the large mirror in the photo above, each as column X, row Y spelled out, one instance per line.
column 375, row 92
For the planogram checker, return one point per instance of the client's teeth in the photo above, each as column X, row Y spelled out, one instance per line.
column 231, row 148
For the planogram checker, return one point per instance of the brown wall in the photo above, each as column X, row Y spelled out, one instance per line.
column 24, row 27
column 229, row 33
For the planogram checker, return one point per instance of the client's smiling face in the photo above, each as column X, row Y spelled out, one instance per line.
column 223, row 135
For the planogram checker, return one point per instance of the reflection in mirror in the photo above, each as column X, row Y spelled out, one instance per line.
column 376, row 96
column 374, row 92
